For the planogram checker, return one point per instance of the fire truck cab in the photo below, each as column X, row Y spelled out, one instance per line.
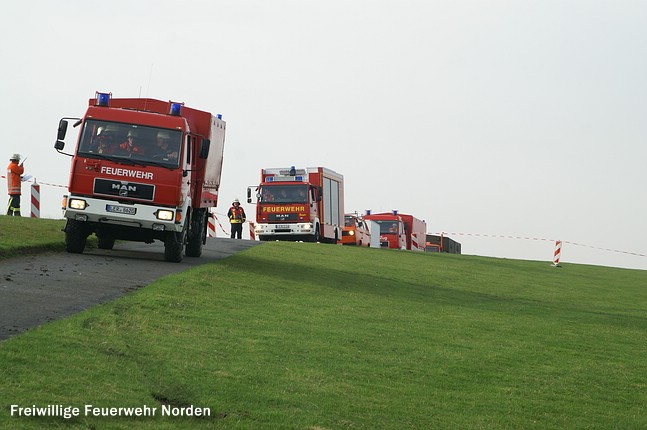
column 392, row 232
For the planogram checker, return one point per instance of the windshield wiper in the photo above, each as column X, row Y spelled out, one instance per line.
column 159, row 164
column 95, row 155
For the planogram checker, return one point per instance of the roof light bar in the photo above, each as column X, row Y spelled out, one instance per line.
column 175, row 108
column 103, row 99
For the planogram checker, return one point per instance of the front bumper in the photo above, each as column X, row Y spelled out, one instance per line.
column 296, row 229
column 108, row 212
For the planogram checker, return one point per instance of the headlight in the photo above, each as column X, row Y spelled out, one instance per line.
column 351, row 233
column 165, row 215
column 78, row 204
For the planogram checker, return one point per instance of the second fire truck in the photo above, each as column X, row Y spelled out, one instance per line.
column 299, row 204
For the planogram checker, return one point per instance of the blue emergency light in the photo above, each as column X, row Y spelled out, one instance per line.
column 175, row 108
column 103, row 99
column 269, row 179
column 298, row 178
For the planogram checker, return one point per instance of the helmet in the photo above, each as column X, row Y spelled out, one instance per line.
column 163, row 135
column 236, row 201
column 15, row 157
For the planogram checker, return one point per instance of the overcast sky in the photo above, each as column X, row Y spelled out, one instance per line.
column 492, row 118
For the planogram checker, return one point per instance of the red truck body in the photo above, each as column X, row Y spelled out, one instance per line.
column 143, row 170
column 400, row 231
column 299, row 204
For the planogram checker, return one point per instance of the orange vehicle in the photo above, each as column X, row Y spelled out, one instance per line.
column 355, row 231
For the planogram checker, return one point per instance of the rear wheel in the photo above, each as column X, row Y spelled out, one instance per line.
column 75, row 237
column 105, row 242
column 197, row 234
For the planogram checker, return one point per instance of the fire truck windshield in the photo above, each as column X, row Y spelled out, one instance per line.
column 388, row 227
column 141, row 144
column 283, row 194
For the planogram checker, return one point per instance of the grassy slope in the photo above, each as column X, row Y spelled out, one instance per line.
column 325, row 337
column 23, row 234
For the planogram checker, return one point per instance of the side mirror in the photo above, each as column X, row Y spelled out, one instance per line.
column 62, row 129
column 204, row 148
column 59, row 145
column 249, row 195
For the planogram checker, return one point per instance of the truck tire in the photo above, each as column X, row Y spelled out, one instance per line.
column 105, row 242
column 173, row 245
column 75, row 237
column 197, row 234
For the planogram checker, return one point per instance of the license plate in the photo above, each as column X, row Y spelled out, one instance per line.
column 282, row 226
column 121, row 209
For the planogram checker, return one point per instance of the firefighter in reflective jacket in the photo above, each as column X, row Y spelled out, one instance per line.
column 237, row 217
column 14, row 173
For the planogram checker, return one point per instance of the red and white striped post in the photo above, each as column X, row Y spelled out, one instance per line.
column 558, row 253
column 211, row 226
column 252, row 235
column 35, row 200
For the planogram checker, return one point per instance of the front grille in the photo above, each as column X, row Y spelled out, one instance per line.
column 282, row 217
column 124, row 189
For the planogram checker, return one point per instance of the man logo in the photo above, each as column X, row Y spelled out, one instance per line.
column 124, row 189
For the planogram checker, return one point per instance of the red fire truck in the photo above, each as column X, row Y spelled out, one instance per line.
column 143, row 170
column 400, row 231
column 299, row 204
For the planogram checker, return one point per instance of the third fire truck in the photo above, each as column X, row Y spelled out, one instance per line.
column 400, row 231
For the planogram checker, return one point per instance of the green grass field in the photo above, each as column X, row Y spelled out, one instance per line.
column 23, row 234
column 312, row 336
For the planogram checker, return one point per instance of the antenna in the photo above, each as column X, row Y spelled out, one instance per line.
column 150, row 78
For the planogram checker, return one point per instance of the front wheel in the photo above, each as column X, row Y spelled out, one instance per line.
column 317, row 236
column 174, row 246
column 75, row 237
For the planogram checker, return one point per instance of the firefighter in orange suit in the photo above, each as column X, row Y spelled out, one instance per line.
column 237, row 217
column 14, row 173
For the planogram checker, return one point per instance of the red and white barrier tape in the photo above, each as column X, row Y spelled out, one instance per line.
column 218, row 221
column 42, row 183
column 500, row 236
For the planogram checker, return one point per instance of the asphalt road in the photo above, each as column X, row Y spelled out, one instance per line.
column 35, row 289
